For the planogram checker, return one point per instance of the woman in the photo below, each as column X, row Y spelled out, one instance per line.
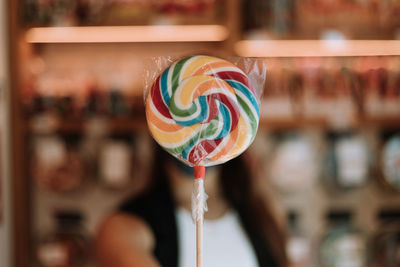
column 155, row 228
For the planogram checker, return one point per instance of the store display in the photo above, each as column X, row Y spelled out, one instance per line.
column 165, row 11
column 385, row 246
column 339, row 91
column 294, row 166
column 56, row 163
column 203, row 110
column 115, row 161
column 94, row 91
column 283, row 16
column 344, row 245
column 382, row 81
column 142, row 155
column 127, row 12
column 190, row 6
column 117, row 106
column 67, row 245
column 298, row 246
column 95, row 104
column 79, row 94
column 348, row 164
column 116, row 12
column 390, row 162
column 310, row 19
column 40, row 104
column 257, row 14
column 65, row 106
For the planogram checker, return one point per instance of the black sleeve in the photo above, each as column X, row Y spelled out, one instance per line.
column 156, row 208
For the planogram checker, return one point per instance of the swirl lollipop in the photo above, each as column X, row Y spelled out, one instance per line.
column 204, row 111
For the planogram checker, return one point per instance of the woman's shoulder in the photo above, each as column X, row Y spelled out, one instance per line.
column 125, row 240
column 143, row 223
column 120, row 229
column 152, row 205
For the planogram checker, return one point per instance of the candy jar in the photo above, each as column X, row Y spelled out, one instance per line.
column 95, row 103
column 56, row 164
column 282, row 19
column 343, row 245
column 293, row 166
column 63, row 13
column 65, row 106
column 385, row 246
column 298, row 246
column 115, row 162
column 116, row 104
column 390, row 163
column 348, row 164
column 66, row 246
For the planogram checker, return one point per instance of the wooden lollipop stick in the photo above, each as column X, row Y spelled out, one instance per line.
column 198, row 209
column 199, row 243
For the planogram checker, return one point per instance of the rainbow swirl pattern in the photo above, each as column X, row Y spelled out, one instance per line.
column 203, row 110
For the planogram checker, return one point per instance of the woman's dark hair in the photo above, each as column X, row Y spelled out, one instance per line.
column 256, row 216
column 239, row 189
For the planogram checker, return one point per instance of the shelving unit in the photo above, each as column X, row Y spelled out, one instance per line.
column 100, row 47
column 95, row 46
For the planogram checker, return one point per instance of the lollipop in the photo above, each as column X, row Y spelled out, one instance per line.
column 203, row 110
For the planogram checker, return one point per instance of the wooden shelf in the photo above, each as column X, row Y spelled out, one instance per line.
column 392, row 122
column 317, row 48
column 127, row 34
column 112, row 125
column 290, row 123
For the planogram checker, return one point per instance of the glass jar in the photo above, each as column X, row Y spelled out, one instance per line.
column 298, row 247
column 115, row 162
column 116, row 104
column 56, row 163
column 349, row 161
column 294, row 166
column 343, row 245
column 390, row 162
column 68, row 245
column 385, row 246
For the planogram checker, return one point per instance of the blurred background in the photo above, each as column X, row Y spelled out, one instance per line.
column 75, row 142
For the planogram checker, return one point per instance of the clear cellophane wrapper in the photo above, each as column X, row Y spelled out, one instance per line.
column 203, row 110
column 199, row 198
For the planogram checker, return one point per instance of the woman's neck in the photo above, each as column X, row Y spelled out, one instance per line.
column 182, row 190
column 217, row 207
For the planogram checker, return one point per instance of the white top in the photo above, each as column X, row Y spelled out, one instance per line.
column 224, row 243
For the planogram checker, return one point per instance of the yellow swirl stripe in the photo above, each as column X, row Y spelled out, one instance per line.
column 199, row 85
column 172, row 139
column 195, row 64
